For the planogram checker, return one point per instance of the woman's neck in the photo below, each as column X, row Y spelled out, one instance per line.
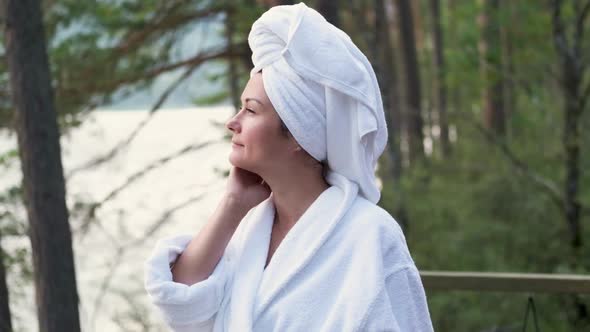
column 292, row 196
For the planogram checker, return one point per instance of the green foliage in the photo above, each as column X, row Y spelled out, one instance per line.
column 478, row 211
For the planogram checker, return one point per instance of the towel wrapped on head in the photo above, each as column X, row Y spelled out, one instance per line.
column 324, row 89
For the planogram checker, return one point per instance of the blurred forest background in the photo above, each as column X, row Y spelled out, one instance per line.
column 487, row 106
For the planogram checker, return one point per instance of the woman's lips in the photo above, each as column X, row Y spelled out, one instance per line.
column 236, row 144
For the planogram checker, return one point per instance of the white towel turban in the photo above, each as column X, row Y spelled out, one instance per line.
column 324, row 89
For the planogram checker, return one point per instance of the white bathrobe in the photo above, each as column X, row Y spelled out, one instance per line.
column 344, row 266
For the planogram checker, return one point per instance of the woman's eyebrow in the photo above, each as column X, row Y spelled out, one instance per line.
column 256, row 100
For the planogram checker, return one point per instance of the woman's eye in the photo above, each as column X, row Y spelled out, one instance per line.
column 247, row 109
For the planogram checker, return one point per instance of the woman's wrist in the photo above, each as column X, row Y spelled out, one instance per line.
column 234, row 204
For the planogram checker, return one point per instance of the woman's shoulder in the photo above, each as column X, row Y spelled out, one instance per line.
column 371, row 218
column 369, row 225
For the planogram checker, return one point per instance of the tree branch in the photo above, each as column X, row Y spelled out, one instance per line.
column 559, row 38
column 164, row 217
column 121, row 145
column 550, row 188
column 122, row 249
column 118, row 259
column 138, row 175
column 584, row 12
column 579, row 33
column 137, row 38
column 585, row 96
column 110, row 86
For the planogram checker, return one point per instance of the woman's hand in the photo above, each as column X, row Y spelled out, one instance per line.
column 246, row 188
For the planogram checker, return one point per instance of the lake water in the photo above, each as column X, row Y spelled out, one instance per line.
column 110, row 255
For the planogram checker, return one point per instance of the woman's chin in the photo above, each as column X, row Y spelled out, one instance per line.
column 236, row 161
column 233, row 160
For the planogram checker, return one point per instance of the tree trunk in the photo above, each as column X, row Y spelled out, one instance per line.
column 362, row 17
column 40, row 155
column 455, row 92
column 272, row 3
column 412, row 76
column 574, row 67
column 5, row 320
column 575, row 97
column 508, row 62
column 386, row 73
column 490, row 50
column 441, row 86
column 329, row 9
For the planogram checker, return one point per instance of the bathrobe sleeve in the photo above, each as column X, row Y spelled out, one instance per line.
column 184, row 308
column 401, row 305
column 408, row 300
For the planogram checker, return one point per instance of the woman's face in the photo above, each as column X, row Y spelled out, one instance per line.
column 257, row 141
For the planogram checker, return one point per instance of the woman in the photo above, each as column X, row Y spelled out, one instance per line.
column 297, row 243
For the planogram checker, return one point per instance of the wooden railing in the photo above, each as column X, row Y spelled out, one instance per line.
column 506, row 282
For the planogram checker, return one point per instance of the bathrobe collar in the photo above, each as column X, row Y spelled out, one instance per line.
column 255, row 287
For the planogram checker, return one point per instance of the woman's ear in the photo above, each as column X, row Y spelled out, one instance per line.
column 294, row 143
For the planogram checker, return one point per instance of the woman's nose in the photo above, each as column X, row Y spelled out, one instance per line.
column 232, row 124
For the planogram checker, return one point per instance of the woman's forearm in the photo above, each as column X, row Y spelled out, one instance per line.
column 200, row 257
